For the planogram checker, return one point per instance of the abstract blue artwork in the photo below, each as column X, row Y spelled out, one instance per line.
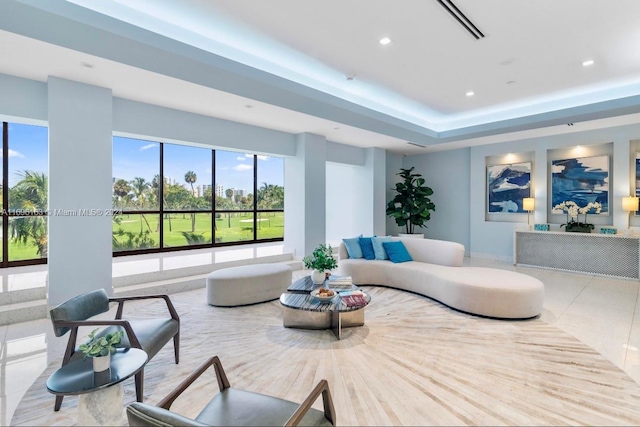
column 581, row 180
column 507, row 185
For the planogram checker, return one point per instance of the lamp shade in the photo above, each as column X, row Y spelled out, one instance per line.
column 630, row 203
column 528, row 203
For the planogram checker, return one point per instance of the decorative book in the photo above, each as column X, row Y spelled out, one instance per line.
column 353, row 298
column 541, row 227
column 340, row 283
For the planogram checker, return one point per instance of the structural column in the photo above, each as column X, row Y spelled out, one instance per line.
column 305, row 195
column 376, row 170
column 80, row 153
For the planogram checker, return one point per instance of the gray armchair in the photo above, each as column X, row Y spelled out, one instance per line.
column 232, row 407
column 149, row 335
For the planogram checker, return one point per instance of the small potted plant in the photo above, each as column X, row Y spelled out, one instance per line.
column 320, row 260
column 101, row 349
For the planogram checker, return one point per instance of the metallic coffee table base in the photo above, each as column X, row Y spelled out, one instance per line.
column 336, row 321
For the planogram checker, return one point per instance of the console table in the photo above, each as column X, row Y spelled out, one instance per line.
column 603, row 254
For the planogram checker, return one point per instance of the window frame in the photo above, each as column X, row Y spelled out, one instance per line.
column 213, row 211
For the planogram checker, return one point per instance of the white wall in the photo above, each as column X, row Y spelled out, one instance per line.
column 447, row 173
column 346, row 202
column 80, row 152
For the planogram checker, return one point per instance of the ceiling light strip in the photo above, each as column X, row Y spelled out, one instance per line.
column 461, row 18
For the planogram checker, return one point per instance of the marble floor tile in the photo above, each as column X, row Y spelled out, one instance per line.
column 603, row 313
column 600, row 297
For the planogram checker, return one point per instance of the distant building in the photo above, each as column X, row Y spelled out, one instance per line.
column 219, row 190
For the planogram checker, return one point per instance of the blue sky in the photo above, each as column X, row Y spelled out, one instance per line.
column 133, row 157
column 28, row 150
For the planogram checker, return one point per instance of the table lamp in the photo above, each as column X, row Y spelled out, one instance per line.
column 528, row 204
column 629, row 204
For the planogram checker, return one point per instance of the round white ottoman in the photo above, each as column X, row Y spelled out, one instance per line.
column 248, row 284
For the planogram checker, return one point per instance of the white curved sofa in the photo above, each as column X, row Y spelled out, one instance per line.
column 437, row 272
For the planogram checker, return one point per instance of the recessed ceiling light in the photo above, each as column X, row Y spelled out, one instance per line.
column 248, row 106
column 385, row 41
column 510, row 82
column 350, row 77
column 470, row 93
column 587, row 63
column 86, row 64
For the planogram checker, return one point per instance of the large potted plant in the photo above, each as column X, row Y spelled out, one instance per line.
column 321, row 260
column 411, row 207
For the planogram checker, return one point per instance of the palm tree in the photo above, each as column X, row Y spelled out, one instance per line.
column 121, row 189
column 30, row 194
column 191, row 177
column 140, row 186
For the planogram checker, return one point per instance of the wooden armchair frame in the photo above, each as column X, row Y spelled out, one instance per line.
column 73, row 326
column 322, row 388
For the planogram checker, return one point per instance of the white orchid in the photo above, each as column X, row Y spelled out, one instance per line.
column 572, row 209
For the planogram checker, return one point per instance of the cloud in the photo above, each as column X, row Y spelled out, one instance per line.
column 242, row 159
column 265, row 158
column 13, row 153
column 146, row 147
column 242, row 167
column 260, row 157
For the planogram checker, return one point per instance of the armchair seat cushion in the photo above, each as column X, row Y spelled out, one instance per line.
column 233, row 407
column 153, row 334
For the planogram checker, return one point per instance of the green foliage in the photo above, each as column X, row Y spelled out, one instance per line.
column 29, row 195
column 101, row 346
column 194, row 238
column 411, row 206
column 321, row 259
column 141, row 240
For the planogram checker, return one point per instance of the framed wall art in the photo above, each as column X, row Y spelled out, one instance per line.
column 582, row 180
column 507, row 185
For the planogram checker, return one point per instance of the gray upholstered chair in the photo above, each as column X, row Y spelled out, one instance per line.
column 149, row 335
column 232, row 407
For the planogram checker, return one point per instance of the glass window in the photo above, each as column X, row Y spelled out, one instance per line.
column 270, row 183
column 188, row 215
column 136, row 174
column 234, row 227
column 187, row 177
column 28, row 191
column 186, row 229
column 135, row 231
column 234, row 180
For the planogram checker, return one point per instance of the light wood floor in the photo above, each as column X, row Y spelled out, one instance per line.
column 415, row 362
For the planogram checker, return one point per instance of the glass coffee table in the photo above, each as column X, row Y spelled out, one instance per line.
column 301, row 310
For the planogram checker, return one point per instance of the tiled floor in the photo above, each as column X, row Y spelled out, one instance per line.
column 601, row 312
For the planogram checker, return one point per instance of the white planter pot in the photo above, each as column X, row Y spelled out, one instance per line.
column 101, row 363
column 318, row 277
column 414, row 235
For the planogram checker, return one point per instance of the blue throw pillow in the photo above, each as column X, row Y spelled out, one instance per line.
column 353, row 247
column 397, row 251
column 378, row 250
column 367, row 248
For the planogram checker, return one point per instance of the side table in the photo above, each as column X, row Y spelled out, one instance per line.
column 101, row 396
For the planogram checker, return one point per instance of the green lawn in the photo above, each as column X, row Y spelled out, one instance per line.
column 237, row 228
column 229, row 228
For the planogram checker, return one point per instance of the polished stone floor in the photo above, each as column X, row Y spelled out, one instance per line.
column 601, row 312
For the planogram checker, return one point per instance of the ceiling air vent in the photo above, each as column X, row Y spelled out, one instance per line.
column 461, row 18
column 416, row 145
